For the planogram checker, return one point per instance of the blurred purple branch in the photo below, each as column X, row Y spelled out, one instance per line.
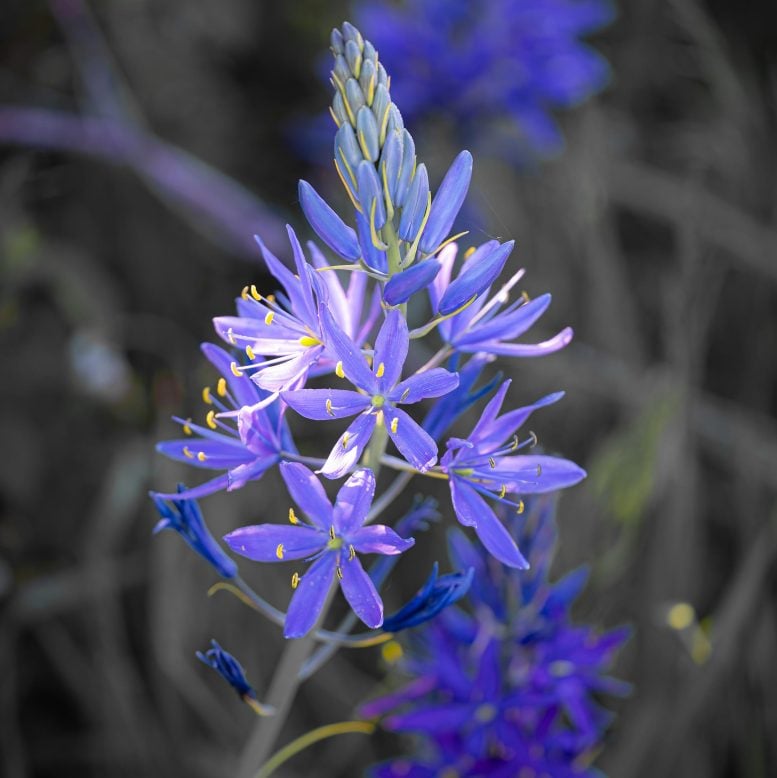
column 183, row 180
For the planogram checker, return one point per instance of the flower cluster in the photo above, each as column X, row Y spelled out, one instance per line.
column 490, row 64
column 508, row 688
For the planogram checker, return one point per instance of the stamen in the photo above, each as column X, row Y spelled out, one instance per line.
column 339, row 571
column 268, row 319
column 332, row 532
column 371, row 89
column 502, row 491
column 384, row 126
column 329, row 407
column 206, row 398
column 211, row 420
column 251, row 353
column 293, row 516
column 255, row 293
column 231, row 336
column 515, row 443
column 201, row 456
column 270, row 298
column 351, row 553
column 395, row 424
column 405, row 395
column 346, row 436
column 188, row 454
column 539, row 470
column 334, row 116
column 187, row 430
column 279, row 551
column 339, row 370
column 381, row 370
column 492, row 462
column 534, row 439
column 525, row 296
column 221, row 387
column 295, row 579
column 244, row 293
column 469, row 252
column 519, row 507
column 306, row 340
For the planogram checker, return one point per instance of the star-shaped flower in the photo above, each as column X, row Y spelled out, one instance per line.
column 332, row 539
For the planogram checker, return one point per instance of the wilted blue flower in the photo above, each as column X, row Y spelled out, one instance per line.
column 381, row 391
column 231, row 671
column 485, row 463
column 508, row 689
column 241, row 434
column 332, row 538
column 185, row 517
column 484, row 64
column 485, row 325
column 435, row 595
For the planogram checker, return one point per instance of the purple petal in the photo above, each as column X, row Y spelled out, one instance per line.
column 263, row 542
column 343, row 458
column 446, row 258
column 537, row 474
column 432, row 719
column 492, row 435
column 218, row 454
column 307, row 492
column 431, row 383
column 309, row 597
column 209, row 487
column 505, row 326
column 360, row 592
column 379, row 539
column 242, row 388
column 292, row 285
column 414, row 443
column 447, row 202
column 402, row 286
column 343, row 348
column 327, row 224
column 353, row 501
column 308, row 311
column 390, row 350
column 285, row 374
column 473, row 511
column 325, row 404
column 490, row 413
column 550, row 346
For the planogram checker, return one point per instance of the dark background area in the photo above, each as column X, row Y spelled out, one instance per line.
column 656, row 231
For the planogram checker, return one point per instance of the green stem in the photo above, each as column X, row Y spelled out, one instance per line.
column 392, row 241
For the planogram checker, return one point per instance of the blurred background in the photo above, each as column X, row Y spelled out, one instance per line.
column 143, row 143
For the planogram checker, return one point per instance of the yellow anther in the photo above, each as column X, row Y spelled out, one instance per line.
column 306, row 341
column 270, row 316
column 502, row 491
column 384, row 126
column 519, row 508
column 388, row 83
column 539, row 470
column 339, row 571
column 231, row 336
column 374, row 237
column 363, row 144
column 386, row 192
column 339, row 370
column 492, row 462
column 295, row 581
column 514, row 445
column 211, row 420
column 251, row 353
column 346, row 437
column 201, row 456
column 391, row 652
column 334, row 116
column 235, row 370
column 347, row 188
column 469, row 252
column 187, row 430
column 293, row 516
column 450, row 240
column 271, row 297
column 206, row 398
column 681, row 616
column 221, row 387
column 371, row 90
column 255, row 293
column 348, row 109
column 525, row 296
column 534, row 439
column 405, row 395
column 329, row 407
column 279, row 551
column 331, row 532
column 381, row 370
column 244, row 293
column 395, row 424
column 188, row 454
column 351, row 553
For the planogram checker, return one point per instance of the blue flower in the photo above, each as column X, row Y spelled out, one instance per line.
column 380, row 392
column 185, row 517
column 231, row 671
column 481, row 63
column 241, row 435
column 485, row 463
column 332, row 539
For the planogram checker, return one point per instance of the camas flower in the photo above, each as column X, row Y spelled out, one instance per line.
column 381, row 391
column 286, row 327
column 332, row 539
column 486, row 464
column 505, row 690
column 484, row 325
column 241, row 435
column 487, row 64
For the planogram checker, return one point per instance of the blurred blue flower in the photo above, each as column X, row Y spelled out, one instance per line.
column 510, row 685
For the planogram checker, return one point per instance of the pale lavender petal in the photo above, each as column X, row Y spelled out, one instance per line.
column 550, row 346
column 490, row 412
column 216, row 454
column 281, row 376
column 276, row 542
column 537, row 474
column 337, row 298
column 391, row 350
column 309, row 596
column 414, row 443
column 431, row 383
column 343, row 348
column 343, row 458
column 306, row 490
column 325, row 404
column 379, row 539
column 492, row 435
column 251, row 471
column 360, row 592
column 308, row 311
column 353, row 501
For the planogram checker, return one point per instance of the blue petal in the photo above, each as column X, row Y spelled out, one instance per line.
column 391, row 347
column 262, row 542
column 353, row 501
column 360, row 592
column 414, row 208
column 306, row 490
column 373, row 256
column 367, row 133
column 327, row 224
column 309, row 597
column 538, row 474
column 379, row 539
column 338, row 343
column 371, row 193
column 447, row 202
column 413, row 442
column 341, row 458
column 431, row 383
column 402, row 286
column 325, row 404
